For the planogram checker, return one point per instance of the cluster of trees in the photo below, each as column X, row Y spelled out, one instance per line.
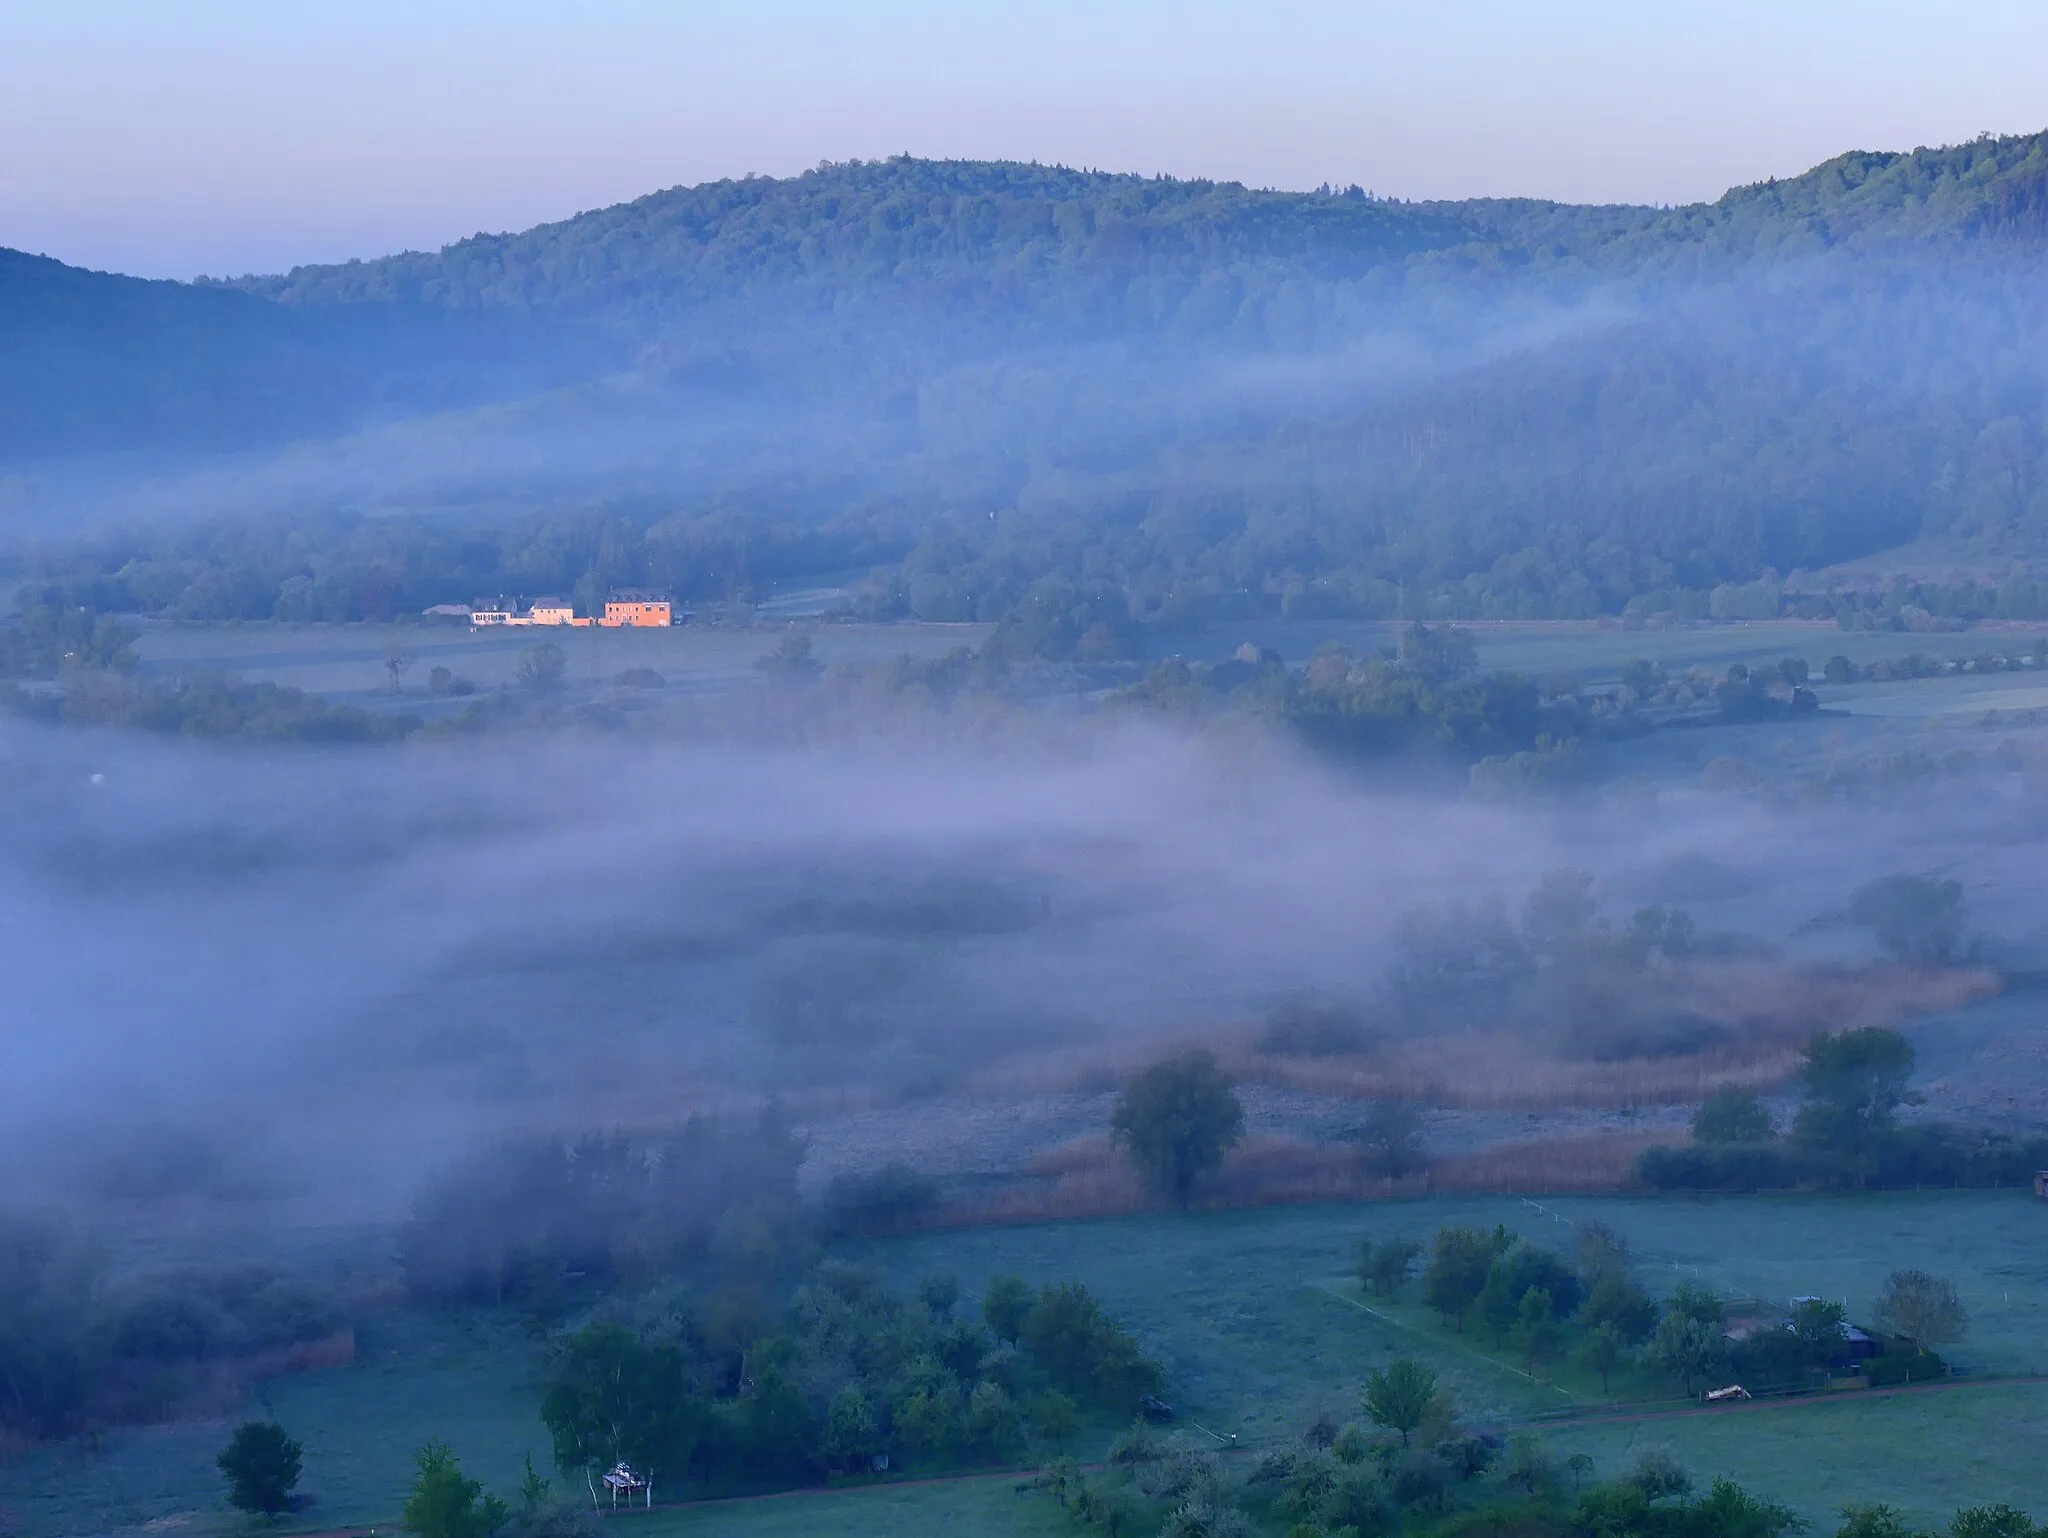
column 1846, row 1133
column 79, row 1348
column 1427, row 691
column 533, row 1220
column 1556, row 965
column 1589, row 1308
column 848, row 1378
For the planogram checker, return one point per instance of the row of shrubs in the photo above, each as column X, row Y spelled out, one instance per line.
column 1925, row 1154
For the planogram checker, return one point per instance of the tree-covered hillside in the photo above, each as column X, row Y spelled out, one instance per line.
column 1196, row 392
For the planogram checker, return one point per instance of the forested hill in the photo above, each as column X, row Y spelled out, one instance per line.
column 974, row 232
column 1515, row 406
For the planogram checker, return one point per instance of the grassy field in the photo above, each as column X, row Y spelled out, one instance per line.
column 469, row 1382
column 1260, row 1326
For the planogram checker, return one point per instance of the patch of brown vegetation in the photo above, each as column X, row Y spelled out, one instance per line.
column 1089, row 1178
column 208, row 1390
column 1764, row 1011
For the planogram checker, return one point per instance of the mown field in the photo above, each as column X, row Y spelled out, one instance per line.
column 1260, row 1326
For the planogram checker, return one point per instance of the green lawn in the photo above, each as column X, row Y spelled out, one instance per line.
column 1259, row 1325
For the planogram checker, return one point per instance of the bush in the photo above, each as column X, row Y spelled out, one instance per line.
column 1894, row 1368
column 884, row 1202
column 262, row 1466
column 1314, row 1025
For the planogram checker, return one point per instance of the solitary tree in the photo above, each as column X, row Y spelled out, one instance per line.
column 1731, row 1115
column 262, row 1467
column 1921, row 1308
column 398, row 661
column 1391, row 1139
column 1177, row 1119
column 1400, row 1397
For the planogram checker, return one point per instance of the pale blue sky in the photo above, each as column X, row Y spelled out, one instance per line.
column 169, row 137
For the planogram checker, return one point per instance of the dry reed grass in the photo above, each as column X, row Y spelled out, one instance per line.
column 1089, row 1178
column 1766, row 1011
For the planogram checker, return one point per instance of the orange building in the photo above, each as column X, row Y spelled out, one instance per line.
column 630, row 607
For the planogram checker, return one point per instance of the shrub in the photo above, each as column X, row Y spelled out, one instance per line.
column 262, row 1466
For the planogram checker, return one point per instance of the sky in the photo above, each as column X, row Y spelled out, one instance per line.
column 169, row 138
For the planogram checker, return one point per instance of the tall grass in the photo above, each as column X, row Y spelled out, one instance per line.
column 1089, row 1177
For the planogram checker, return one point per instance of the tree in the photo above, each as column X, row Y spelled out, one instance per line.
column 542, row 668
column 1391, row 1139
column 1177, row 1119
column 1690, row 1349
column 1921, row 1308
column 1732, row 1115
column 1601, row 1351
column 1917, row 919
column 398, row 661
column 2000, row 1521
column 851, row 1436
column 939, row 1293
column 1855, row 1082
column 1459, row 1262
column 616, row 1397
column 1599, row 1251
column 1620, row 1304
column 1382, row 1268
column 1819, row 1328
column 1400, row 1397
column 1874, row 1522
column 790, row 661
column 1054, row 1416
column 1004, row 1306
column 262, row 1466
column 444, row 1504
column 1536, row 1329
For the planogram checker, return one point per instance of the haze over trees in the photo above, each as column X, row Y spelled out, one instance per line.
column 1182, row 400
